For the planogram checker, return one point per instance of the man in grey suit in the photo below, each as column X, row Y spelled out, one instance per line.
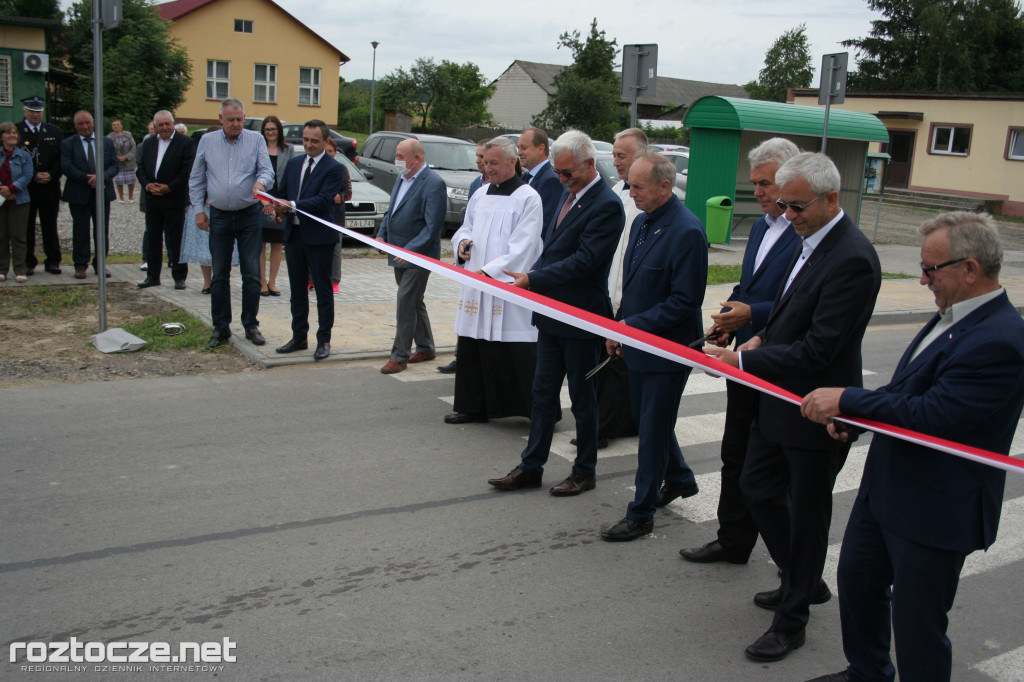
column 414, row 222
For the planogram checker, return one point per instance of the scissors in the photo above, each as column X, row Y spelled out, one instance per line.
column 604, row 362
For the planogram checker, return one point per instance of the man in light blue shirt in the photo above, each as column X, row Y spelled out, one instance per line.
column 231, row 165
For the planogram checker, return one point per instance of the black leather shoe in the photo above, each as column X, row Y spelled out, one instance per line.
column 626, row 530
column 148, row 282
column 671, row 492
column 602, row 443
column 217, row 339
column 179, row 284
column 842, row 676
column 447, row 369
column 53, row 269
column 770, row 600
column 708, row 554
column 293, row 345
column 322, row 351
column 253, row 334
column 463, row 418
column 516, row 479
column 775, row 646
column 573, row 485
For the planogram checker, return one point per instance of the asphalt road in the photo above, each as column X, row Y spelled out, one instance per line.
column 327, row 523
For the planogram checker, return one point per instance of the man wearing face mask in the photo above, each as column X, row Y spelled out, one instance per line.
column 414, row 222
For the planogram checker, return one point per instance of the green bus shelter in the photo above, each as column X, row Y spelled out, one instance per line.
column 724, row 129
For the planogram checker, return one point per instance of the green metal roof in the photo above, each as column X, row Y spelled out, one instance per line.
column 730, row 113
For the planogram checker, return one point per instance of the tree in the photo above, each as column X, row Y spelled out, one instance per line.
column 587, row 95
column 942, row 46
column 446, row 93
column 144, row 68
column 787, row 63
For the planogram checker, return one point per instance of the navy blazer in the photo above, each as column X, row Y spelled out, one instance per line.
column 75, row 166
column 550, row 190
column 813, row 334
column 573, row 268
column 416, row 223
column 663, row 287
column 317, row 198
column 966, row 386
column 174, row 170
column 758, row 288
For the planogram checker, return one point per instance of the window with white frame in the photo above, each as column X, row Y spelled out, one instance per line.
column 951, row 139
column 264, row 87
column 243, row 25
column 1015, row 145
column 6, row 98
column 218, row 79
column 309, row 86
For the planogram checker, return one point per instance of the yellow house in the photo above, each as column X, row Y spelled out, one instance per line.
column 969, row 144
column 257, row 52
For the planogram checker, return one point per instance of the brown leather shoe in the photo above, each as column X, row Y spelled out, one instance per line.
column 516, row 479
column 573, row 485
column 421, row 357
column 79, row 273
column 393, row 367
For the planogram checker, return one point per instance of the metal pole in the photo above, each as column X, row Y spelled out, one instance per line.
column 636, row 90
column 828, row 103
column 373, row 82
column 101, row 178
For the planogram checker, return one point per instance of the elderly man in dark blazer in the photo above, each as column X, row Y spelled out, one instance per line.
column 414, row 221
column 78, row 162
column 920, row 512
column 165, row 163
column 309, row 184
column 665, row 272
column 811, row 339
column 573, row 269
column 765, row 260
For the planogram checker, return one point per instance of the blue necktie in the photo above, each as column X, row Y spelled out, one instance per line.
column 640, row 239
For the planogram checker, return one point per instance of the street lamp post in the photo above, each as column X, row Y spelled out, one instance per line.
column 373, row 82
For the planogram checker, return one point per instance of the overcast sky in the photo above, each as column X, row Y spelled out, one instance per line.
column 721, row 41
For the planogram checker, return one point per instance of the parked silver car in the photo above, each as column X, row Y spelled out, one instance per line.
column 606, row 167
column 365, row 211
column 453, row 158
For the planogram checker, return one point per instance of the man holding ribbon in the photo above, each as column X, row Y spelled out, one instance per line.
column 920, row 512
column 812, row 338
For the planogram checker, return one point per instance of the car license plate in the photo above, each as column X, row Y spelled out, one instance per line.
column 359, row 223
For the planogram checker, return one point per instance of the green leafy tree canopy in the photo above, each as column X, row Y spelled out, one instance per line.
column 787, row 63
column 942, row 46
column 144, row 68
column 587, row 96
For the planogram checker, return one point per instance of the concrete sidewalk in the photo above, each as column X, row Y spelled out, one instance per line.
column 365, row 308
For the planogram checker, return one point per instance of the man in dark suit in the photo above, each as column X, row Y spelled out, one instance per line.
column 812, row 339
column 164, row 167
column 414, row 222
column 769, row 250
column 534, row 151
column 310, row 183
column 573, row 268
column 666, row 270
column 78, row 162
column 42, row 142
column 920, row 512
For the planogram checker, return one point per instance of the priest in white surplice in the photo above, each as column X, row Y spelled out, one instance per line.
column 496, row 340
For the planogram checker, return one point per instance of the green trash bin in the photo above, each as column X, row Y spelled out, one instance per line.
column 718, row 224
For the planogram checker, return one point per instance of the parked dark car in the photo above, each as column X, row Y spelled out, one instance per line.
column 453, row 158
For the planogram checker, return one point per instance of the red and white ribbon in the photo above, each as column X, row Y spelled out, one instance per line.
column 645, row 341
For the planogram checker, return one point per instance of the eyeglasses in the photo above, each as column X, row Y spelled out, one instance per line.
column 927, row 272
column 797, row 208
column 567, row 173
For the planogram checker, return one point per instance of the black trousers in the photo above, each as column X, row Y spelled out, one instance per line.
column 47, row 212
column 165, row 224
column 737, row 532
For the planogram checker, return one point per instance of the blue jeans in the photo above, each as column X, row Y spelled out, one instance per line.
column 227, row 227
column 557, row 357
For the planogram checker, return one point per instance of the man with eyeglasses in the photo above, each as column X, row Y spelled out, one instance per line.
column 920, row 512
column 812, row 339
column 573, row 268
